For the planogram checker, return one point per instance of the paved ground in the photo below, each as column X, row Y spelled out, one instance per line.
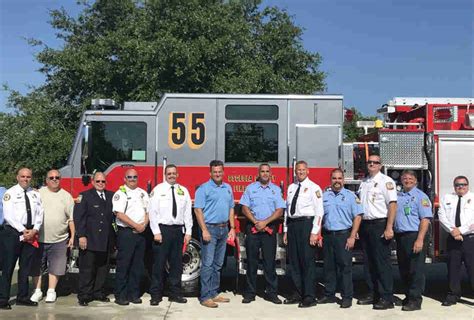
column 67, row 308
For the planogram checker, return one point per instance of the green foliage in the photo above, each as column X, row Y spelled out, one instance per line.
column 138, row 50
column 351, row 132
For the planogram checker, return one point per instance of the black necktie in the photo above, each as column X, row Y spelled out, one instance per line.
column 175, row 211
column 28, row 212
column 458, row 213
column 102, row 196
column 293, row 201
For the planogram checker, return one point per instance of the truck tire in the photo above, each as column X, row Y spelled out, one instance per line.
column 191, row 268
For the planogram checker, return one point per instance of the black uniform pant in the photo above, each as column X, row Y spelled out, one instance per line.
column 11, row 248
column 377, row 251
column 171, row 250
column 337, row 263
column 267, row 244
column 130, row 264
column 302, row 256
column 459, row 252
column 411, row 265
column 93, row 271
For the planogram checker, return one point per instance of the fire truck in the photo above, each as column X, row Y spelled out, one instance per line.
column 190, row 130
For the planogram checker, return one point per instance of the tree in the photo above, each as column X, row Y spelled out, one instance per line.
column 138, row 50
column 351, row 132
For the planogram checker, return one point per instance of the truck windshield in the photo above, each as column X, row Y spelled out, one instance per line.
column 115, row 141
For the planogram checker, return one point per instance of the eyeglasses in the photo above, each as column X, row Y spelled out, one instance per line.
column 131, row 177
column 373, row 162
column 54, row 178
column 99, row 181
column 460, row 185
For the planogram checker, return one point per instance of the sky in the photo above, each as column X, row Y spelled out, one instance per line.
column 373, row 50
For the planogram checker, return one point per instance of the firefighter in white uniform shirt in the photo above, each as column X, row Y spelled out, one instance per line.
column 171, row 222
column 456, row 215
column 23, row 213
column 130, row 205
column 379, row 200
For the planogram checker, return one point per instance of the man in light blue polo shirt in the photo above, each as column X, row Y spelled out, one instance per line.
column 341, row 221
column 414, row 214
column 214, row 208
column 263, row 205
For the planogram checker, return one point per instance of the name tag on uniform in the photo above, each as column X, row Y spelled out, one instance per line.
column 96, row 206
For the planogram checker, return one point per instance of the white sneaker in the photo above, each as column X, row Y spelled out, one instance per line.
column 37, row 295
column 50, row 296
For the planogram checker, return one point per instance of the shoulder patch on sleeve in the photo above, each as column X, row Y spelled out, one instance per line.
column 6, row 197
column 318, row 193
column 389, row 185
column 116, row 197
column 357, row 200
column 425, row 203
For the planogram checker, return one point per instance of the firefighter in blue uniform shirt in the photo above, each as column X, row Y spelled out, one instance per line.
column 411, row 226
column 262, row 205
column 341, row 221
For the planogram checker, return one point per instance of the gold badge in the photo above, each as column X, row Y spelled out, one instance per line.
column 389, row 186
column 6, row 197
column 318, row 194
column 116, row 197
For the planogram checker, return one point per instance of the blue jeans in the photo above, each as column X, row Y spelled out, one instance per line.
column 212, row 255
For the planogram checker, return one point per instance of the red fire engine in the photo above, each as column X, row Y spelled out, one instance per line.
column 435, row 137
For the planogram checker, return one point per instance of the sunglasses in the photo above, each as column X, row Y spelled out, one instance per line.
column 54, row 178
column 99, row 181
column 458, row 185
column 373, row 162
column 131, row 177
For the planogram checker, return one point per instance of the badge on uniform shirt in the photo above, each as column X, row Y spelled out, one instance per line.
column 116, row 197
column 318, row 194
column 180, row 191
column 6, row 197
column 389, row 186
column 79, row 198
column 425, row 203
column 142, row 195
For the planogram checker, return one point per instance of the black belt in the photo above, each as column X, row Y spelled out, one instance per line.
column 375, row 221
column 174, row 226
column 330, row 232
column 124, row 228
column 305, row 218
column 221, row 224
column 405, row 233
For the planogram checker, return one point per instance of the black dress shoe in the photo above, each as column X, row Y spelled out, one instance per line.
column 83, row 303
column 136, row 301
column 383, row 305
column 273, row 299
column 346, row 303
column 292, row 300
column 368, row 299
column 411, row 306
column 248, row 299
column 26, row 302
column 121, row 302
column 5, row 306
column 327, row 299
column 102, row 299
column 177, row 299
column 155, row 301
column 448, row 303
column 306, row 303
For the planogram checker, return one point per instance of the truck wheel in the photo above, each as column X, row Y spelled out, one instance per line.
column 191, row 268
